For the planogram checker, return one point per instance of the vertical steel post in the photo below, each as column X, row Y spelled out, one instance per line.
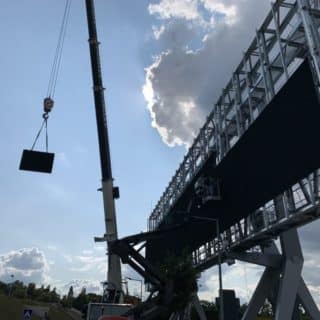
column 114, row 265
column 220, row 248
column 221, row 306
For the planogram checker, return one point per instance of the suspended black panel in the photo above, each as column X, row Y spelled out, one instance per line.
column 36, row 161
column 280, row 147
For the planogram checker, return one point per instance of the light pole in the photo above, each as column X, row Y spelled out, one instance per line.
column 139, row 280
column 216, row 221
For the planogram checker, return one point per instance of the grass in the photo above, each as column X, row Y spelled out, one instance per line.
column 12, row 309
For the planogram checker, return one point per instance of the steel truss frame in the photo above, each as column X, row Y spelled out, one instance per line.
column 298, row 206
column 288, row 35
column 281, row 282
column 249, row 241
column 127, row 250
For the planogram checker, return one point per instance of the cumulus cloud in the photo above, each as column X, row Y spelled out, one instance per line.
column 200, row 47
column 166, row 9
column 92, row 286
column 27, row 265
column 86, row 262
column 240, row 277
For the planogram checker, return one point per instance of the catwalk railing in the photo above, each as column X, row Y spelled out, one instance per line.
column 288, row 35
column 298, row 206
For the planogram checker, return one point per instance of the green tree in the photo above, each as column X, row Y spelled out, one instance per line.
column 40, row 293
column 209, row 308
column 81, row 300
column 54, row 297
column 4, row 288
column 64, row 301
column 180, row 272
column 70, row 297
column 31, row 291
column 92, row 297
column 19, row 290
column 243, row 309
column 266, row 309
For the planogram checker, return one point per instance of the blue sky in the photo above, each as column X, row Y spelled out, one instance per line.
column 64, row 210
column 163, row 64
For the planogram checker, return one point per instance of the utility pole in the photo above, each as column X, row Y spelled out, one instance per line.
column 114, row 292
column 220, row 245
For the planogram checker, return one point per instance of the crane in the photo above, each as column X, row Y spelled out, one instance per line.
column 37, row 161
column 112, row 292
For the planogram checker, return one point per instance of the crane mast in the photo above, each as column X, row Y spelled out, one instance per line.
column 113, row 290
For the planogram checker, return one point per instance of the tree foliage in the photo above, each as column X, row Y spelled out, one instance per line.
column 180, row 271
column 30, row 291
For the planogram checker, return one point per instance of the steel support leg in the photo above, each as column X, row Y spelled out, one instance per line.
column 290, row 275
column 282, row 283
column 267, row 282
column 307, row 301
column 198, row 307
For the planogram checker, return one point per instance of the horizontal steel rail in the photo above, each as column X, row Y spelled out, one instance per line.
column 288, row 35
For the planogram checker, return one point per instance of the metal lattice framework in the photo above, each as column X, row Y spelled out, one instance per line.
column 288, row 35
column 298, row 206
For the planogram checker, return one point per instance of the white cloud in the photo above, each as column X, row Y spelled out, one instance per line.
column 199, row 53
column 187, row 9
column 27, row 265
column 86, row 262
column 228, row 9
column 240, row 277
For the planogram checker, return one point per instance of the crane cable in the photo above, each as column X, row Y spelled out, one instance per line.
column 58, row 53
column 48, row 101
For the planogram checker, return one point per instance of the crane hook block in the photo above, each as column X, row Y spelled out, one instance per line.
column 47, row 104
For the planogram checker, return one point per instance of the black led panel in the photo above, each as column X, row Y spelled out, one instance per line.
column 36, row 161
column 280, row 147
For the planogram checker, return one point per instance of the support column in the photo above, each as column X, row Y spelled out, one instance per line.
column 307, row 301
column 281, row 282
column 198, row 307
column 269, row 279
column 290, row 275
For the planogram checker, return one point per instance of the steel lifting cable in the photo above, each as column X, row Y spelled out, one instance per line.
column 58, row 53
column 48, row 101
column 44, row 124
